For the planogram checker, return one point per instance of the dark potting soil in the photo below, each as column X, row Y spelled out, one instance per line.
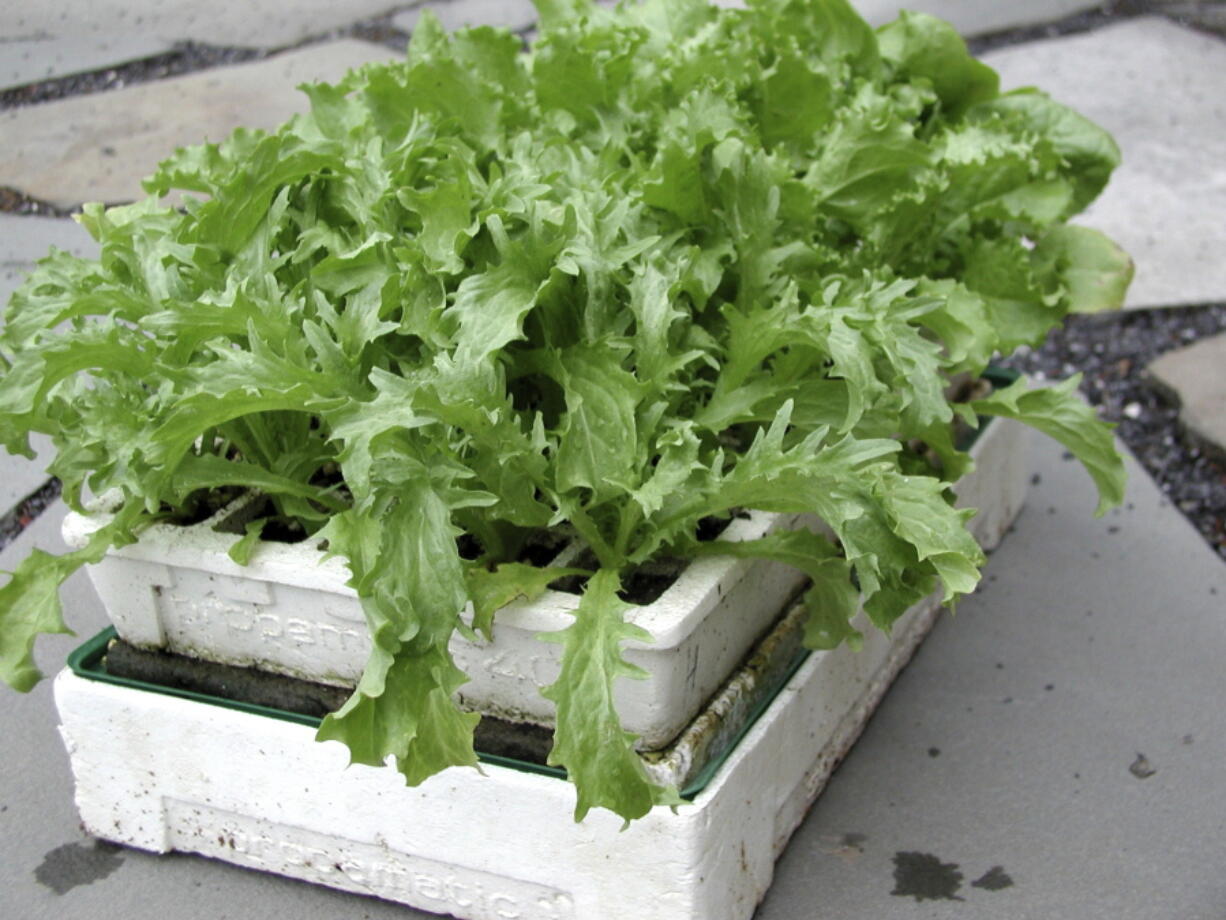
column 249, row 685
column 540, row 547
column 521, row 741
column 646, row 583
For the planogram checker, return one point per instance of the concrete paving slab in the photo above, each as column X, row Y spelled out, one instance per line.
column 1159, row 88
column 35, row 816
column 976, row 17
column 1196, row 376
column 20, row 477
column 1053, row 751
column 970, row 17
column 98, row 147
column 515, row 15
column 231, row 23
column 33, row 56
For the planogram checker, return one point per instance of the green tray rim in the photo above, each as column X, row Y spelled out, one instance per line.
column 85, row 661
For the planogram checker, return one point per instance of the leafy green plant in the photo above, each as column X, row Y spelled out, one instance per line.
column 669, row 262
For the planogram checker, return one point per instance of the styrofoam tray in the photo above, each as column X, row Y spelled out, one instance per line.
column 291, row 612
column 163, row 773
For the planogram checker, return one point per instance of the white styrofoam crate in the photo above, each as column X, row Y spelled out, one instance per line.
column 290, row 610
column 163, row 773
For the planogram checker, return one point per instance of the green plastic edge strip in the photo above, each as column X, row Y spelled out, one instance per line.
column 86, row 662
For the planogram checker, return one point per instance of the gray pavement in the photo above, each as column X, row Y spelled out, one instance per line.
column 38, row 54
column 970, row 17
column 516, row 15
column 1196, row 377
column 1055, row 749
column 59, row 37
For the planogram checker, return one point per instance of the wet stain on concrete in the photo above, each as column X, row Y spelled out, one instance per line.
column 924, row 877
column 75, row 864
column 1140, row 768
column 994, row 879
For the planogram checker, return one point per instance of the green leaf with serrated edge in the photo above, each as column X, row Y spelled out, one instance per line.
column 446, row 212
column 1059, row 412
column 599, row 434
column 1090, row 152
column 1094, row 271
column 832, row 600
column 402, row 705
column 207, row 471
column 30, row 602
column 796, row 101
column 856, row 488
column 871, row 155
column 924, row 46
column 920, row 514
column 830, row 30
column 492, row 589
column 678, row 458
column 961, row 324
column 31, row 607
column 589, row 741
column 1001, row 272
column 490, row 307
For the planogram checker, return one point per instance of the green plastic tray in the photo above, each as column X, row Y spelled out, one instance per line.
column 87, row 661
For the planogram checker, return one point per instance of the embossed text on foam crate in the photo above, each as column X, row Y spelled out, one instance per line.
column 360, row 867
column 261, row 624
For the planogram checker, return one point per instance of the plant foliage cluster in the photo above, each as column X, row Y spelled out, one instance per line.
column 670, row 261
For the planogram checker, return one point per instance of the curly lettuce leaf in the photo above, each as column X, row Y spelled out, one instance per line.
column 30, row 601
column 589, row 741
column 832, row 600
column 1059, row 412
column 403, row 704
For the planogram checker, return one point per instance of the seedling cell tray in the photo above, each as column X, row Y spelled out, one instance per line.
column 290, row 610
